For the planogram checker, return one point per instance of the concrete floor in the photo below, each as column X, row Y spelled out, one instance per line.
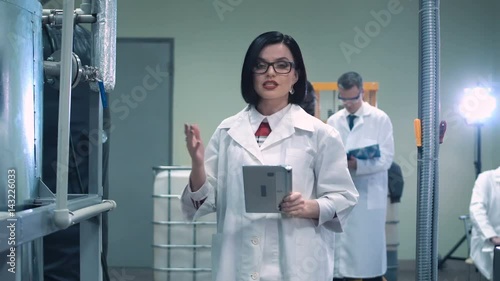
column 453, row 270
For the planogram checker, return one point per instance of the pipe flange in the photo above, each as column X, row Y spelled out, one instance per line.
column 53, row 79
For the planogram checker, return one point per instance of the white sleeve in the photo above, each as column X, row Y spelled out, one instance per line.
column 203, row 201
column 335, row 191
column 479, row 206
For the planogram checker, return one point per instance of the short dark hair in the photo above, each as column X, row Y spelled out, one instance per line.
column 251, row 58
column 350, row 79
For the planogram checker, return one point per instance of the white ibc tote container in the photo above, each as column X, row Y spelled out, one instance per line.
column 181, row 248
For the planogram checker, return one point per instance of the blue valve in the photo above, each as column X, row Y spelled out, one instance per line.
column 103, row 94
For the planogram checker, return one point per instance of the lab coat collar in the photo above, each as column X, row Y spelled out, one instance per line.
column 365, row 110
column 293, row 118
column 240, row 129
column 256, row 117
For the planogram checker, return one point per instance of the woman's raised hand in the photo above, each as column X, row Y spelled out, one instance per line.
column 194, row 144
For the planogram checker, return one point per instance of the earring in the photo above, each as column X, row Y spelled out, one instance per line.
column 292, row 91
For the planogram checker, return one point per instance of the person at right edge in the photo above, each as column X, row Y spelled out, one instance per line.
column 485, row 217
column 360, row 251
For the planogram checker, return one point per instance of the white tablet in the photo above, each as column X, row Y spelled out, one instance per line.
column 265, row 187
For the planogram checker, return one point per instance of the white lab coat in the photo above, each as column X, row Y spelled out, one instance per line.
column 485, row 217
column 360, row 251
column 319, row 171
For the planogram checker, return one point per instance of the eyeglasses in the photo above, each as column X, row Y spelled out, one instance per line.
column 280, row 67
column 349, row 99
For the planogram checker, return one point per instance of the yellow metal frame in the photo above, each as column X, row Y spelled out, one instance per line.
column 370, row 92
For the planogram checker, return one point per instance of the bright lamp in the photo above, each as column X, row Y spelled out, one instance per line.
column 477, row 105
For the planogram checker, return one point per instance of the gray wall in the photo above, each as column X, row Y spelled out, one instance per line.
column 141, row 110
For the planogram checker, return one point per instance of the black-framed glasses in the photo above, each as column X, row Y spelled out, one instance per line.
column 280, row 67
column 348, row 99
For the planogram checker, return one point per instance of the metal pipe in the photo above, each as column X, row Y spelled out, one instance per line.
column 85, row 19
column 91, row 211
column 104, row 37
column 428, row 153
column 61, row 214
column 46, row 12
column 39, row 222
column 56, row 19
column 52, row 68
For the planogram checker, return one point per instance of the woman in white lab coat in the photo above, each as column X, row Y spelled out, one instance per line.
column 360, row 251
column 296, row 244
column 485, row 217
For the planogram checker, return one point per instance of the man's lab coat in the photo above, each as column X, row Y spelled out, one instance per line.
column 360, row 251
column 316, row 154
column 485, row 218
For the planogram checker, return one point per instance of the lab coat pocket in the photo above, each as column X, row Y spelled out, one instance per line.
column 302, row 170
column 299, row 158
column 310, row 263
column 377, row 195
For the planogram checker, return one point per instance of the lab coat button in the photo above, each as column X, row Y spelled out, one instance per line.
column 254, row 275
column 255, row 240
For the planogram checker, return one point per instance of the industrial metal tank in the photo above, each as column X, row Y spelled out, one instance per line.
column 20, row 100
column 21, row 69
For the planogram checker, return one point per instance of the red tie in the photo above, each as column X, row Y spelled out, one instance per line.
column 262, row 132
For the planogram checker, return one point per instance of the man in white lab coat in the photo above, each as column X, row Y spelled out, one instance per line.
column 485, row 217
column 360, row 251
